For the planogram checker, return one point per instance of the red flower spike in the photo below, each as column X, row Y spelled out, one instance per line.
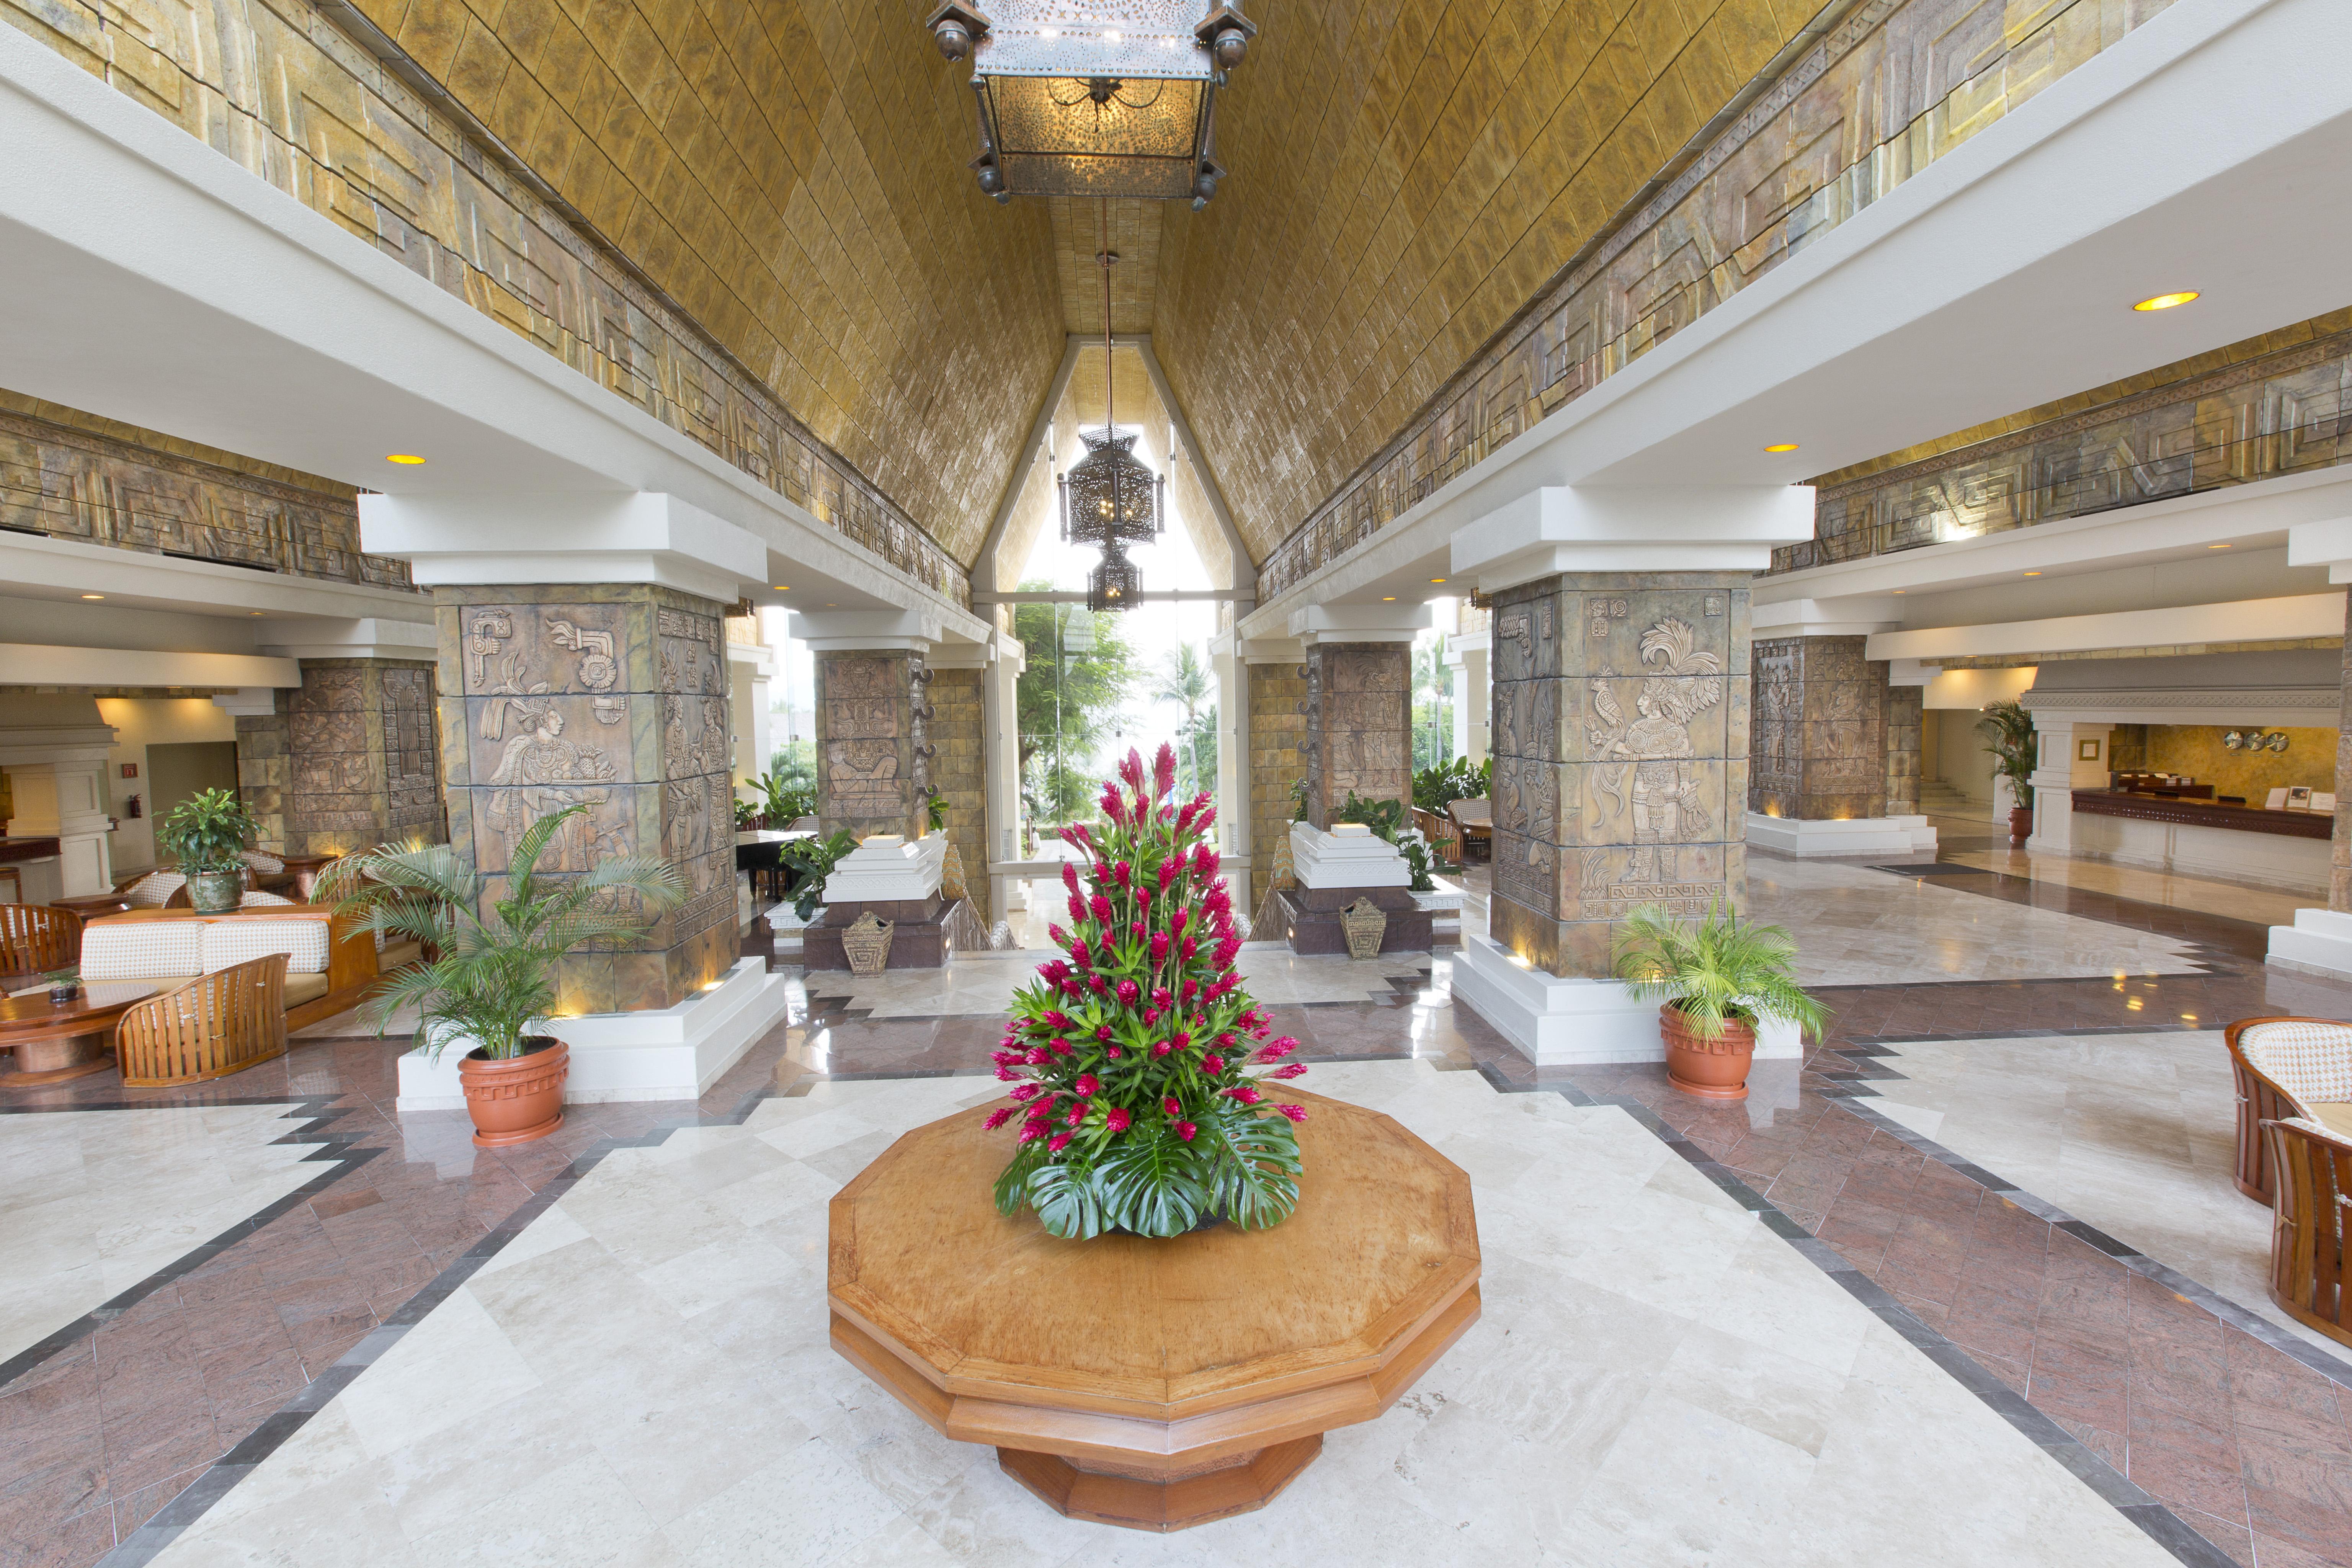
column 1116, row 1120
column 1077, row 909
column 1026, row 1091
column 1070, row 876
column 1213, row 1066
column 1085, row 1085
column 1167, row 870
column 1158, row 947
column 1184, row 1131
column 1078, row 1114
column 1162, row 1050
column 1101, row 907
column 1172, row 1106
column 1163, row 768
column 1245, row 1094
column 1112, row 1053
column 1296, row 1112
column 998, row 1118
column 1128, row 992
column 1288, row 1070
column 1058, row 1141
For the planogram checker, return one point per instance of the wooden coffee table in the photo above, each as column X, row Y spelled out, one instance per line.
column 1155, row 1384
column 53, row 1043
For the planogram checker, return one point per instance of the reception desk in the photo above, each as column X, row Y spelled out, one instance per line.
column 2284, row 849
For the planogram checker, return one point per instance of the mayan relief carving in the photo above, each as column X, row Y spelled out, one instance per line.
column 872, row 726
column 1656, row 781
column 598, row 671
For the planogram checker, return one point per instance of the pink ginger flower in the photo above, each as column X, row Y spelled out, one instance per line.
column 1296, row 1112
column 1077, row 1114
column 1026, row 1091
column 1184, row 1131
column 1128, row 992
column 1060, row 1047
column 1102, row 1033
column 1058, row 1141
column 1101, row 907
column 1184, row 818
column 1150, row 1016
column 1070, row 876
column 1162, row 1048
column 1038, row 1057
column 1031, row 1132
column 1163, row 768
column 1191, row 948
column 1112, row 1053
column 1159, row 947
column 1227, row 1040
column 1278, row 1051
column 1288, row 1070
column 1122, row 873
column 1131, row 768
column 1007, row 1075
column 1061, row 938
column 999, row 1117
column 1171, row 1105
column 1080, row 953
column 1181, row 1040
column 1138, row 931
column 1163, row 997
column 1212, row 1064
column 1098, row 984
column 1167, row 870
column 1204, row 862
column 1183, row 917
column 1087, row 1083
column 1054, row 1019
column 1116, row 1120
column 1245, row 1094
column 1201, row 823
column 1004, row 1058
column 1112, row 807
column 1226, row 950
column 1077, row 909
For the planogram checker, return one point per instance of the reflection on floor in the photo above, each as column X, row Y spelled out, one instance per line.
column 1951, row 1325
column 643, row 1376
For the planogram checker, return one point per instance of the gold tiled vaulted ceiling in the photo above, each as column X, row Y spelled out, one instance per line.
column 1404, row 179
column 792, row 174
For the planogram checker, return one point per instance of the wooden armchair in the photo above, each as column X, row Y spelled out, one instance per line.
column 1474, row 827
column 2287, row 1067
column 35, row 939
column 215, row 1025
column 2309, row 1238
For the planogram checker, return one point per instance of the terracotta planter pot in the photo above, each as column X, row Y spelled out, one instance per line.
column 2020, row 822
column 519, row 1099
column 1711, row 1069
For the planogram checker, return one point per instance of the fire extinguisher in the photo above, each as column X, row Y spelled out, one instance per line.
column 134, row 812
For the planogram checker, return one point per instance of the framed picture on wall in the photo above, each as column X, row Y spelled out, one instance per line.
column 2086, row 750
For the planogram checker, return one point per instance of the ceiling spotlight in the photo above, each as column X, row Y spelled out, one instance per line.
column 93, row 596
column 1437, row 579
column 2034, row 574
column 2166, row 301
column 406, row 460
column 1901, row 590
column 1387, row 598
column 781, row 587
column 1783, row 447
column 2217, row 547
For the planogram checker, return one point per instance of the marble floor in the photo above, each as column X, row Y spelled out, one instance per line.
column 643, row 1375
column 1958, row 1287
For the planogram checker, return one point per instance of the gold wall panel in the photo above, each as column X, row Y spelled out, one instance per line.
column 810, row 280
column 1377, row 299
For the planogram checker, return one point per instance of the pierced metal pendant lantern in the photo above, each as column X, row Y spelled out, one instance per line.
column 1097, row 98
column 1115, row 582
column 1109, row 494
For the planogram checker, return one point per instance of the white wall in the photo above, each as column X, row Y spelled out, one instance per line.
column 141, row 722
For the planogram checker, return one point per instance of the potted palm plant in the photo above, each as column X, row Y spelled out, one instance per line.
column 1716, row 978
column 491, row 980
column 206, row 834
column 2007, row 729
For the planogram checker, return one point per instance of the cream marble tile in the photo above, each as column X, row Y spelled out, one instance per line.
column 2132, row 1134
column 1656, row 1380
column 92, row 1202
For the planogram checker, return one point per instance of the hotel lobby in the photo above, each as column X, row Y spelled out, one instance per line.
column 1739, row 952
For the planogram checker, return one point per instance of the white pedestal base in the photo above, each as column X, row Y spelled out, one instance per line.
column 1905, row 837
column 1566, row 1022
column 669, row 1053
column 2319, row 943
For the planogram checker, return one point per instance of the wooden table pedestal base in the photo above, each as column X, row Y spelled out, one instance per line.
column 1111, row 1494
column 57, row 1060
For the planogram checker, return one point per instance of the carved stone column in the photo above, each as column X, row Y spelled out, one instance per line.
column 613, row 697
column 1621, row 757
column 1358, row 725
column 1819, row 736
column 872, row 740
column 347, row 759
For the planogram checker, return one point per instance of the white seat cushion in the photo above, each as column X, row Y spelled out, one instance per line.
column 137, row 950
column 262, row 861
column 153, row 890
column 304, row 943
column 255, row 899
column 2311, row 1061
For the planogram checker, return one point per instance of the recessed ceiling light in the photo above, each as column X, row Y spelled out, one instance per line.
column 1782, row 447
column 781, row 587
column 2217, row 547
column 1387, row 598
column 1437, row 579
column 93, row 596
column 409, row 459
column 2034, row 574
column 1901, row 590
column 256, row 611
column 2166, row 301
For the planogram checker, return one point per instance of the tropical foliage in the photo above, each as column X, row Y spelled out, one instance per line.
column 1432, row 704
column 1138, row 1064
column 1382, row 816
column 811, row 860
column 1715, row 969
column 494, row 974
column 1439, row 786
column 1185, row 679
column 2007, row 729
column 1079, row 671
column 208, row 832
column 784, row 795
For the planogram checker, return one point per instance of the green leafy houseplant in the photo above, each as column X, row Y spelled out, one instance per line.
column 1439, row 786
column 2007, row 729
column 813, row 860
column 784, row 799
column 495, row 973
column 1382, row 816
column 1134, row 1062
column 935, row 808
column 1715, row 971
column 208, row 832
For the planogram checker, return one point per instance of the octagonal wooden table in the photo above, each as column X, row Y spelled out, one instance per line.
column 55, row 1041
column 1154, row 1383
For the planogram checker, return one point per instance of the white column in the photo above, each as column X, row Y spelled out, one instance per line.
column 1472, row 694
column 1231, row 674
column 1000, row 697
column 2059, row 770
column 753, row 665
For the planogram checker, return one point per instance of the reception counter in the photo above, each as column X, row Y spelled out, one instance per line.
column 2284, row 849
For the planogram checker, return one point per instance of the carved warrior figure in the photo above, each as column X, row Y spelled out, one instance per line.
column 539, row 771
column 1665, row 793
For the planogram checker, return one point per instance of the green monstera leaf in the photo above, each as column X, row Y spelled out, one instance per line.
column 1257, row 1180
column 1151, row 1184
column 1067, row 1202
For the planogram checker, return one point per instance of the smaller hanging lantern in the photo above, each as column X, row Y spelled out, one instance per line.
column 1110, row 494
column 1114, row 584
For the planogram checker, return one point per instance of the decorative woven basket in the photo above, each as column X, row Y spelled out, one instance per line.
column 1366, row 923
column 867, row 943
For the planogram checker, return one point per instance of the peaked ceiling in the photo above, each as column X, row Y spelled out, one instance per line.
column 794, row 176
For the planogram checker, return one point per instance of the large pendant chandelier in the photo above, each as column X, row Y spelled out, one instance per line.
column 1097, row 98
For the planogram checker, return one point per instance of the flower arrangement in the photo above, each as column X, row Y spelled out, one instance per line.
column 1139, row 1065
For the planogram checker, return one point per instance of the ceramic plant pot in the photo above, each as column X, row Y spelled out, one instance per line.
column 2020, row 822
column 1711, row 1069
column 517, row 1099
column 214, row 892
column 1366, row 925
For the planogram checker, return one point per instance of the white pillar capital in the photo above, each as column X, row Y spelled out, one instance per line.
column 1663, row 527
column 1358, row 623
column 540, row 538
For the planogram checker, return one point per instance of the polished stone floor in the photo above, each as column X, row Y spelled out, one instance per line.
column 1906, row 1300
